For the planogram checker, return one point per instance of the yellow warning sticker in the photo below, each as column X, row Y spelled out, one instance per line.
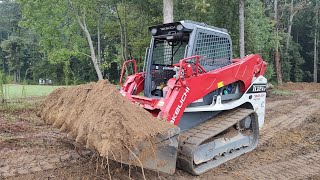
column 220, row 84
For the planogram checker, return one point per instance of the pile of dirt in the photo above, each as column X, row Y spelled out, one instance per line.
column 304, row 86
column 98, row 116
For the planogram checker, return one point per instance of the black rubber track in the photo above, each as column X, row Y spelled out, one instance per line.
column 192, row 138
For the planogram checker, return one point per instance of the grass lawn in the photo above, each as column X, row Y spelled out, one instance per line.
column 280, row 92
column 14, row 91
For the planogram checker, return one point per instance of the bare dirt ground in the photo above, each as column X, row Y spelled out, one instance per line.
column 289, row 147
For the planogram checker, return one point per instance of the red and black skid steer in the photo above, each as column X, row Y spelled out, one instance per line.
column 190, row 79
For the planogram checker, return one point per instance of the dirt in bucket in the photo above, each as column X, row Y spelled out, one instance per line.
column 98, row 116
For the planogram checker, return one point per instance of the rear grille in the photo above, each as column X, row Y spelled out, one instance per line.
column 215, row 50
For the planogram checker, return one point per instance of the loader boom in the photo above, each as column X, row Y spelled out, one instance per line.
column 242, row 71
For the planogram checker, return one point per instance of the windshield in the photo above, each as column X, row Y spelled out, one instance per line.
column 168, row 53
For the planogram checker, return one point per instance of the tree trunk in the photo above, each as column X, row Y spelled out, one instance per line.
column 15, row 76
column 277, row 53
column 18, row 66
column 315, row 60
column 289, row 28
column 93, row 54
column 84, row 27
column 167, row 11
column 241, row 24
column 26, row 74
column 99, row 45
column 126, row 44
column 19, row 76
column 167, row 18
column 122, row 35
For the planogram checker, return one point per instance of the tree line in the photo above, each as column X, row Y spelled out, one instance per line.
column 73, row 41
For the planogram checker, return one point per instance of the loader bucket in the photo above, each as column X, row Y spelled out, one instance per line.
column 159, row 154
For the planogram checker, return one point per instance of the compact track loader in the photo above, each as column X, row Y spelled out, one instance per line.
column 190, row 80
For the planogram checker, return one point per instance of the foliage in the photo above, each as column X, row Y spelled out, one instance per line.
column 259, row 33
column 259, row 30
column 42, row 39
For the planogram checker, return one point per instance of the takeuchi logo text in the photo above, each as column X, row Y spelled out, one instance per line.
column 259, row 88
column 178, row 108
